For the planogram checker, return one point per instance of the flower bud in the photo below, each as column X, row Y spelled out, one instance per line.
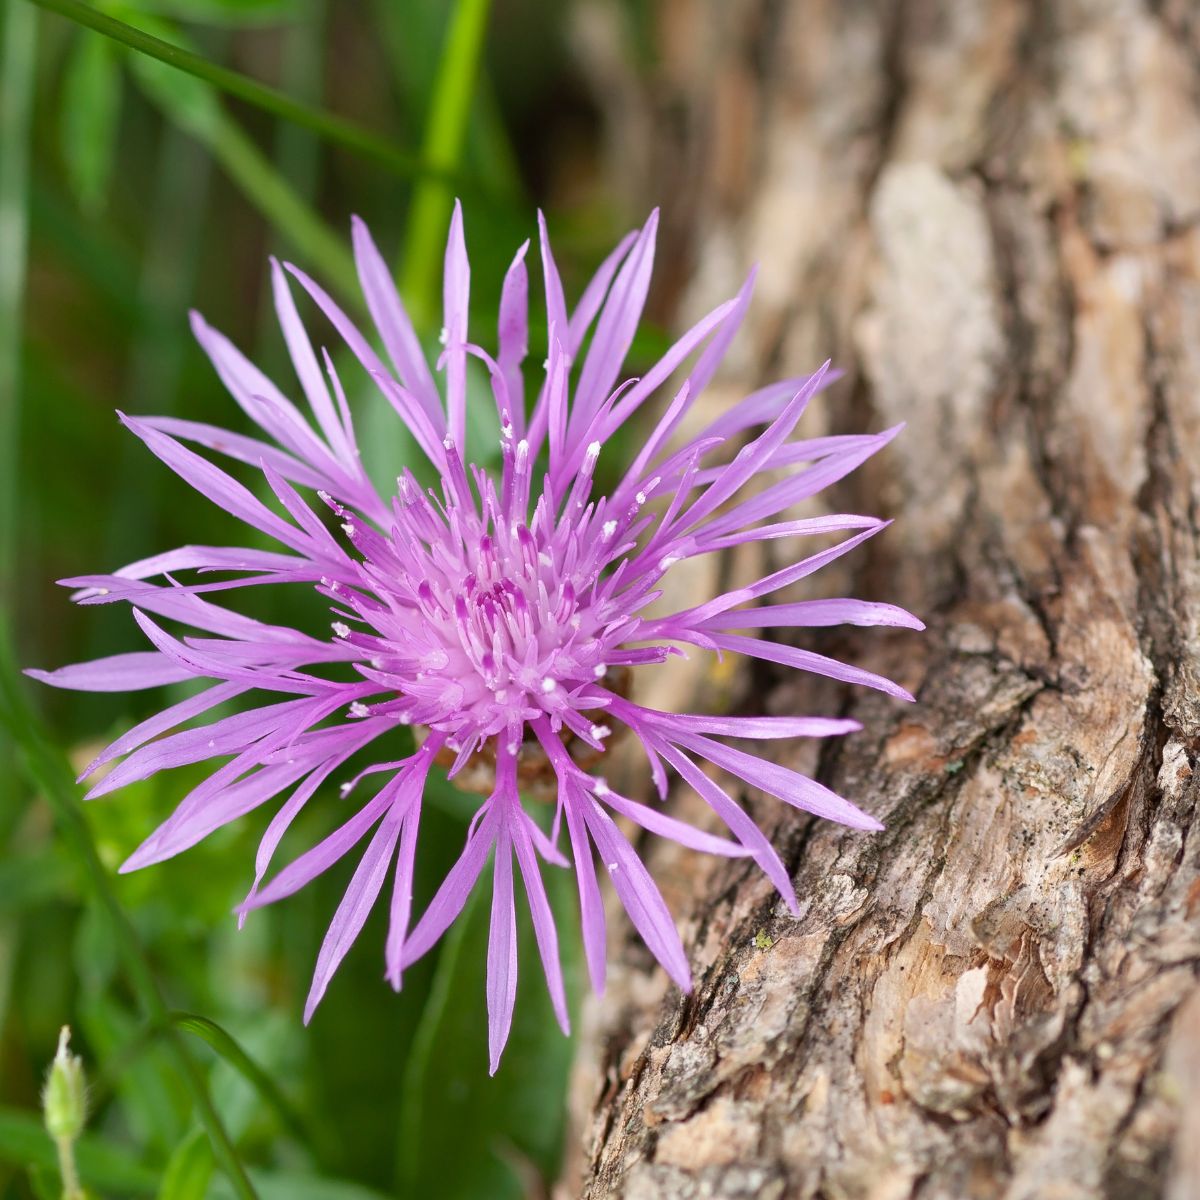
column 64, row 1099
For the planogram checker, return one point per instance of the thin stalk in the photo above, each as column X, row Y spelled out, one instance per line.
column 445, row 135
column 48, row 770
column 17, row 77
column 72, row 1189
column 326, row 125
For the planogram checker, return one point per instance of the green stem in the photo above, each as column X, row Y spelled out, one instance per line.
column 67, row 1170
column 445, row 134
column 331, row 128
column 49, row 771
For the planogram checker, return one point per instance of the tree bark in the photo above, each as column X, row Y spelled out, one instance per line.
column 986, row 212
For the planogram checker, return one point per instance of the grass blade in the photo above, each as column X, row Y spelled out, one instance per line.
column 445, row 135
column 331, row 128
column 231, row 1051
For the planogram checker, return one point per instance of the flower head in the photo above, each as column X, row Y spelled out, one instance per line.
column 501, row 616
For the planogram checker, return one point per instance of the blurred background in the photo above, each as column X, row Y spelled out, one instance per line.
column 131, row 192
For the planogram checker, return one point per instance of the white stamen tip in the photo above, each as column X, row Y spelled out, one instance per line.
column 345, row 789
column 599, row 732
column 342, row 630
column 443, row 335
column 348, row 528
column 600, row 788
column 600, row 670
column 593, row 450
column 548, row 685
column 358, row 709
column 325, row 496
column 610, row 527
column 640, row 498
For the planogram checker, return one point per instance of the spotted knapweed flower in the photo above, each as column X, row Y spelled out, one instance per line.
column 502, row 616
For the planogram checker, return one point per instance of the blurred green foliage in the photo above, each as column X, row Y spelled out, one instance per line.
column 148, row 194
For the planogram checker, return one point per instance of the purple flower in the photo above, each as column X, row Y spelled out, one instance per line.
column 499, row 617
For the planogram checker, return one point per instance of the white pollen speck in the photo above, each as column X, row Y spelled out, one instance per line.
column 593, row 450
column 345, row 789
column 348, row 528
column 102, row 591
column 548, row 685
column 613, row 867
column 342, row 630
column 640, row 497
column 599, row 732
column 545, row 364
column 448, row 443
column 358, row 709
column 211, row 743
column 600, row 670
column 601, row 788
column 443, row 335
column 610, row 527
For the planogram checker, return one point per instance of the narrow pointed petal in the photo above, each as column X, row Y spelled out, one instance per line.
column 502, row 951
column 117, row 673
column 543, row 919
column 354, row 909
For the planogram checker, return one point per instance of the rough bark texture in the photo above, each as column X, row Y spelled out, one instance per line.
column 988, row 212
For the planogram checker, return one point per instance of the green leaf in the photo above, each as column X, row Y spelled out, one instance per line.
column 24, row 1142
column 189, row 1169
column 91, row 103
column 464, row 1134
column 229, row 1049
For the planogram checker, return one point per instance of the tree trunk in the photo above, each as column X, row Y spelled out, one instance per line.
column 987, row 212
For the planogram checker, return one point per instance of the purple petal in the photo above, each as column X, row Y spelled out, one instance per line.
column 639, row 894
column 807, row 660
column 543, row 918
column 402, row 893
column 668, row 827
column 355, row 907
column 117, row 673
column 502, row 951
column 789, row 786
column 160, row 722
column 456, row 887
column 512, row 335
column 395, row 328
column 457, row 291
column 591, row 906
column 615, row 329
column 740, row 824
column 811, row 613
